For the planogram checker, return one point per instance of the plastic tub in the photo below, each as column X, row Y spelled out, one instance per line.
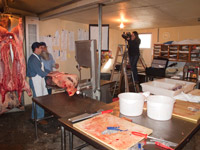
column 131, row 104
column 167, row 87
column 160, row 107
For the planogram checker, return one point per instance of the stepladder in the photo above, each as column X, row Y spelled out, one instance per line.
column 120, row 73
column 117, row 69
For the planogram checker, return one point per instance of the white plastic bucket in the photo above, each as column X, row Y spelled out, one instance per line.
column 131, row 104
column 160, row 107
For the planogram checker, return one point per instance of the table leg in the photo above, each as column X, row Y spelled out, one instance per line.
column 70, row 141
column 35, row 120
column 63, row 138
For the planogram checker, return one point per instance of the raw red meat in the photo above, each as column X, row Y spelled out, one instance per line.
column 7, row 82
column 63, row 80
column 19, row 71
column 13, row 72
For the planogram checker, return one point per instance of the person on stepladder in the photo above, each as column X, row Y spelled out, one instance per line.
column 134, row 54
column 49, row 62
column 36, row 74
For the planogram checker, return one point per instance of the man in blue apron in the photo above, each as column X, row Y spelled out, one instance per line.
column 36, row 74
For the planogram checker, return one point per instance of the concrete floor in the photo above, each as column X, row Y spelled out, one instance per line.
column 17, row 133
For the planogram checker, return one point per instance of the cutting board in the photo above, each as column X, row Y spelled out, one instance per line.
column 182, row 110
column 120, row 140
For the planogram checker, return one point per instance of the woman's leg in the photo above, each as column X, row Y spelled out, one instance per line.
column 133, row 62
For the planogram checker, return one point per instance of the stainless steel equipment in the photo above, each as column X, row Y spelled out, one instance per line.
column 86, row 56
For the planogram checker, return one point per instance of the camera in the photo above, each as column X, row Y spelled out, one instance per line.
column 126, row 35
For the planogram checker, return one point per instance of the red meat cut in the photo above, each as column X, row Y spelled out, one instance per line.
column 66, row 81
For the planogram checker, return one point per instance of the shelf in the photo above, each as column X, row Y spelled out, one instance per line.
column 197, row 59
column 184, row 52
column 183, row 60
column 173, row 48
column 174, row 52
column 171, row 59
column 172, row 55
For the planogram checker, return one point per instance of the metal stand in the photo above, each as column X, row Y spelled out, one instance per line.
column 63, row 138
column 70, row 141
column 35, row 120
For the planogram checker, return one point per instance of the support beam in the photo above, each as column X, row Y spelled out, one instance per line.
column 71, row 8
column 99, row 50
column 21, row 12
column 77, row 6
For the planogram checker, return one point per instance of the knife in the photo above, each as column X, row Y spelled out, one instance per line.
column 87, row 115
column 151, row 137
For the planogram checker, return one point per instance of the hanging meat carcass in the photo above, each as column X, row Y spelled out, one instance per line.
column 19, row 70
column 3, row 32
column 66, row 81
column 12, row 62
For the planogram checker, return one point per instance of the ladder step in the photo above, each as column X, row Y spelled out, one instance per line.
column 117, row 63
column 116, row 72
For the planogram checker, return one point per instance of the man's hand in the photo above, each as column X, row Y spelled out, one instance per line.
column 56, row 66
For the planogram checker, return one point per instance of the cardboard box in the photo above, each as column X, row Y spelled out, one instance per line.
column 167, row 87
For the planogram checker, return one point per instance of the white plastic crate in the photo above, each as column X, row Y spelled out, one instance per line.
column 167, row 87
